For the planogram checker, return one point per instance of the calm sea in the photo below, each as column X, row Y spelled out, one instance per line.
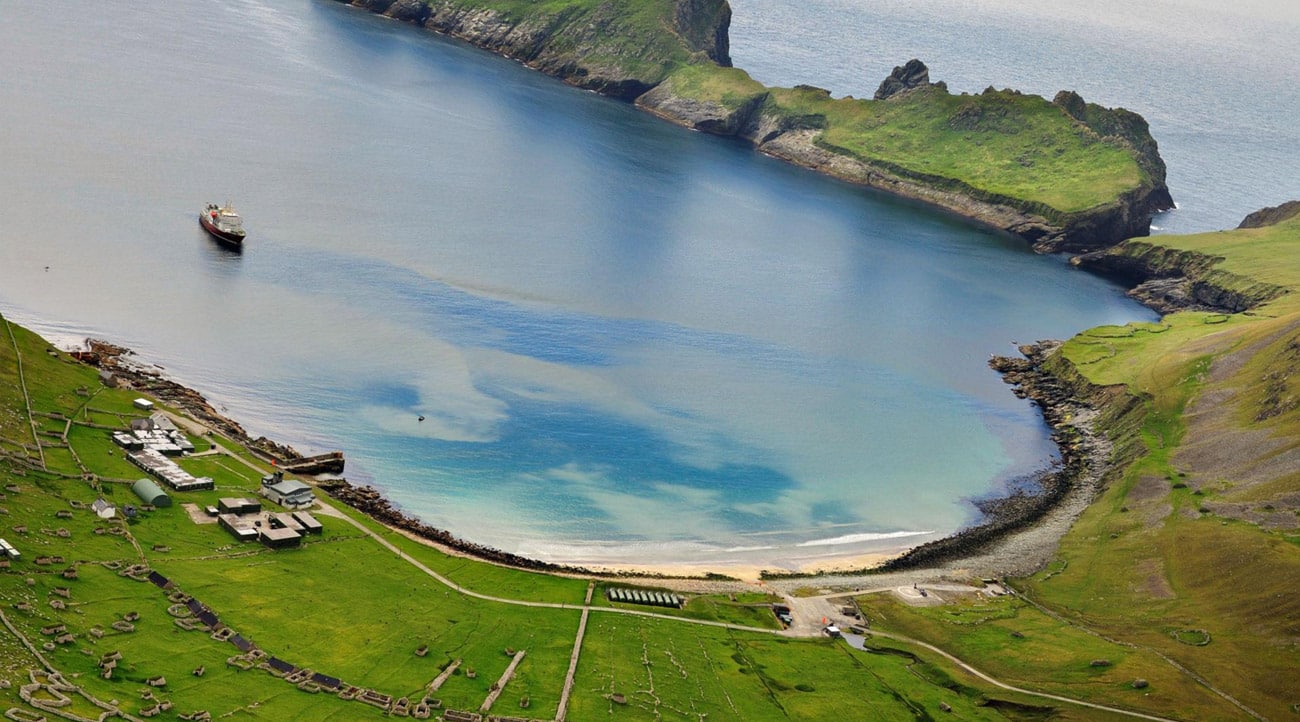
column 629, row 342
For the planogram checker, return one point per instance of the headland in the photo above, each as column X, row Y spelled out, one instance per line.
column 1065, row 175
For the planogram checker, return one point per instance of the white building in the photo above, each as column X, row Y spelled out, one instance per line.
column 103, row 509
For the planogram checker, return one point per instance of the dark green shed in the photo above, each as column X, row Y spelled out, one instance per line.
column 151, row 493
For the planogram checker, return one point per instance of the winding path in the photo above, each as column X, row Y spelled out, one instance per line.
column 809, row 610
column 587, row 608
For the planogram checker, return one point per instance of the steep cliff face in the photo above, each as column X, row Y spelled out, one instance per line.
column 1131, row 215
column 703, row 24
column 1169, row 280
column 620, row 48
column 1173, row 279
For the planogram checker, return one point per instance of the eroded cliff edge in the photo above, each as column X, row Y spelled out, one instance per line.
column 1169, row 278
column 620, row 48
column 1064, row 174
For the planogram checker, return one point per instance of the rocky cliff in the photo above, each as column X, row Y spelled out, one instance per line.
column 1271, row 216
column 620, row 48
column 1171, row 279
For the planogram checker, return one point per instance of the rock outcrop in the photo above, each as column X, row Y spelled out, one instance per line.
column 912, row 74
column 1130, row 216
column 704, row 25
column 1271, row 216
column 798, row 139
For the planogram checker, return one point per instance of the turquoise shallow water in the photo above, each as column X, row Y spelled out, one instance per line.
column 630, row 343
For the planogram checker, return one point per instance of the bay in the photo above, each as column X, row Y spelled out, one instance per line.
column 630, row 343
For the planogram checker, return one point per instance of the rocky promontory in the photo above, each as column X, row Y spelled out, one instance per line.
column 1067, row 409
column 1169, row 279
column 1091, row 203
column 1064, row 174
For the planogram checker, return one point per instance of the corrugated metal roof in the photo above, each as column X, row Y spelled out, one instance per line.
column 151, row 493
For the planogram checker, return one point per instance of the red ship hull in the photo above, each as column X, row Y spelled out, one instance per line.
column 232, row 239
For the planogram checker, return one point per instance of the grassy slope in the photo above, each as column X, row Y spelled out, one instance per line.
column 1000, row 143
column 1152, row 557
column 345, row 606
column 1170, row 551
column 636, row 37
column 1021, row 645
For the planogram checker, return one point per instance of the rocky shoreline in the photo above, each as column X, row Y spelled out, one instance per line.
column 798, row 141
column 369, row 501
column 1084, row 456
column 1168, row 280
column 118, row 367
column 1021, row 530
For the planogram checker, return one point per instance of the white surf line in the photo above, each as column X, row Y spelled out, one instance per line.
column 586, row 607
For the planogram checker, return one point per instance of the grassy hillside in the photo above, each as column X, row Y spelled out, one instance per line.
column 621, row 47
column 1191, row 556
column 1000, row 142
column 1081, row 175
column 1202, row 532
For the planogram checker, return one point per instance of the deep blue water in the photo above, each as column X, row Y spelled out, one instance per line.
column 630, row 342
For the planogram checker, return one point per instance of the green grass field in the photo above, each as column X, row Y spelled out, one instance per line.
column 347, row 605
column 634, row 668
column 628, row 38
